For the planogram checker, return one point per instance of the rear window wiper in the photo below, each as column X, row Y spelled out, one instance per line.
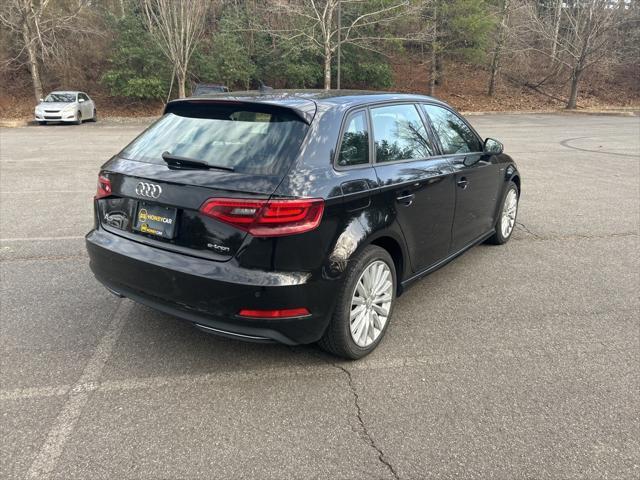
column 178, row 162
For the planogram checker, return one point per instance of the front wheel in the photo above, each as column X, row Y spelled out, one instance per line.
column 95, row 116
column 364, row 305
column 507, row 217
column 41, row 122
column 78, row 119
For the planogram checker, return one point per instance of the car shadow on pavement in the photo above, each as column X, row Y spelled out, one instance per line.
column 156, row 344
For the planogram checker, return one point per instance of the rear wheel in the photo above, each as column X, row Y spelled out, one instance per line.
column 364, row 306
column 78, row 119
column 507, row 217
column 95, row 116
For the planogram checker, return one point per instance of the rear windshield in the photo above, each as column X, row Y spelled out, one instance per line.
column 247, row 139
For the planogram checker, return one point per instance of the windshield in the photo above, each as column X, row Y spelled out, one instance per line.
column 240, row 138
column 61, row 97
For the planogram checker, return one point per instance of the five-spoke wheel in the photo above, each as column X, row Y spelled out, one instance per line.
column 364, row 306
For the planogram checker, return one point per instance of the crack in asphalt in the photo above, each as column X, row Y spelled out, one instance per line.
column 365, row 431
column 526, row 229
column 575, row 236
column 366, row 436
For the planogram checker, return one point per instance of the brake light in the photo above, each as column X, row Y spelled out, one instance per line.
column 285, row 313
column 266, row 218
column 104, row 187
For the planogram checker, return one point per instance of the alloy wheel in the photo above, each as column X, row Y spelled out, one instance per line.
column 371, row 303
column 509, row 211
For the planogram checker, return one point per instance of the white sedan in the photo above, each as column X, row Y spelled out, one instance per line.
column 66, row 107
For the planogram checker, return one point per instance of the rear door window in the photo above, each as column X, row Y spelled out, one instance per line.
column 354, row 148
column 454, row 134
column 399, row 134
column 247, row 139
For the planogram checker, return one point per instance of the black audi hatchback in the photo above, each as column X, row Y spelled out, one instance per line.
column 296, row 216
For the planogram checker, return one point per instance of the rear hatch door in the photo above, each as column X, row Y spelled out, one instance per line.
column 239, row 150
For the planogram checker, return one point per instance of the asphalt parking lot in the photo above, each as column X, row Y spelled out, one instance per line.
column 513, row 362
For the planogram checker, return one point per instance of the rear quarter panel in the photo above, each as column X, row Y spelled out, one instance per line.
column 354, row 215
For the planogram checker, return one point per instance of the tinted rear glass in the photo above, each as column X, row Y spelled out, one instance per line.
column 247, row 139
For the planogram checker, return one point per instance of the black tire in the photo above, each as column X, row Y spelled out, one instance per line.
column 95, row 116
column 498, row 238
column 41, row 122
column 79, row 119
column 337, row 337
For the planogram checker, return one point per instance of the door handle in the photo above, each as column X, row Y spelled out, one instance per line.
column 406, row 200
column 463, row 183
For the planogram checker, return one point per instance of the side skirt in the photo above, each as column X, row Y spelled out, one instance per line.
column 444, row 261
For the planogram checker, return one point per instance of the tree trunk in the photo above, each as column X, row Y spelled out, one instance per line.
column 33, row 63
column 557, row 16
column 573, row 95
column 433, row 66
column 181, row 75
column 327, row 66
column 432, row 70
column 439, row 69
column 495, row 61
column 578, row 68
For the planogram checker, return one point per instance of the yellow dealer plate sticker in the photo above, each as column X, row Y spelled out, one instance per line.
column 156, row 220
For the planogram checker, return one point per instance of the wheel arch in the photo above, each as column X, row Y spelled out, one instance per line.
column 513, row 175
column 516, row 179
column 397, row 253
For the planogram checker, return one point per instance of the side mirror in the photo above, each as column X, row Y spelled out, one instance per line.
column 81, row 100
column 493, row 146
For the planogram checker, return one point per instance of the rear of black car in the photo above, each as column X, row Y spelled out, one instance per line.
column 186, row 222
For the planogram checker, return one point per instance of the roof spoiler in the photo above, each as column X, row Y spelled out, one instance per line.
column 303, row 108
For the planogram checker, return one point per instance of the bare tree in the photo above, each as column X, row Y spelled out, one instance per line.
column 588, row 27
column 557, row 17
column 313, row 23
column 501, row 30
column 37, row 25
column 178, row 27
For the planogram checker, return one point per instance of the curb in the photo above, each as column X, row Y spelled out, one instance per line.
column 110, row 121
column 15, row 123
column 610, row 113
column 606, row 113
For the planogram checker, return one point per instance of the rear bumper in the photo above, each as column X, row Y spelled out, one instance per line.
column 210, row 293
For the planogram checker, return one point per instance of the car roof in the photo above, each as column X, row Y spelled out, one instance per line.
column 66, row 91
column 305, row 102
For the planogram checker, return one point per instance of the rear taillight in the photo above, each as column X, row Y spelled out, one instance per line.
column 104, row 187
column 284, row 313
column 266, row 218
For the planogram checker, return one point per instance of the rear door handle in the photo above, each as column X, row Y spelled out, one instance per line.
column 406, row 200
column 463, row 183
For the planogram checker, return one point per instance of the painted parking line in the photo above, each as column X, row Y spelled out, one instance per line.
column 50, row 452
column 40, row 239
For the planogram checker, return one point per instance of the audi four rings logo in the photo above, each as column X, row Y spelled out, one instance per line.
column 150, row 190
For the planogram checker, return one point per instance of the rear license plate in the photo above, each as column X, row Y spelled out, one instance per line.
column 156, row 220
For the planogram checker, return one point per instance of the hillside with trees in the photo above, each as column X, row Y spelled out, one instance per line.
column 134, row 55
